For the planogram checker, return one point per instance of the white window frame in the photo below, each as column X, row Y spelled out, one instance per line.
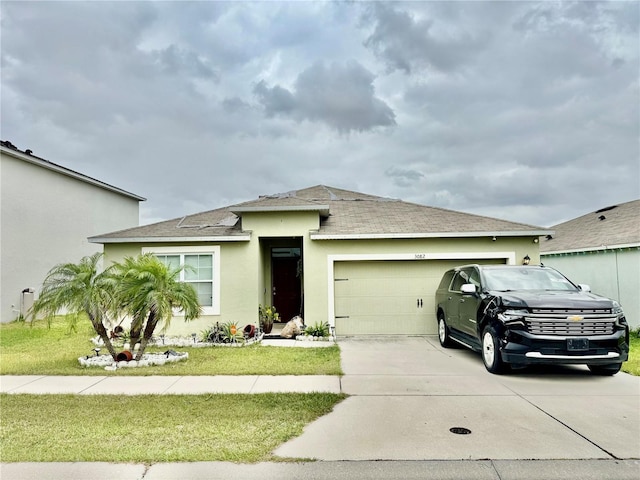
column 214, row 251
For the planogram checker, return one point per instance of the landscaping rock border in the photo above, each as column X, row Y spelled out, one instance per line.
column 147, row 360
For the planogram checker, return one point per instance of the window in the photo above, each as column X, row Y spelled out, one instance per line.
column 201, row 270
column 460, row 279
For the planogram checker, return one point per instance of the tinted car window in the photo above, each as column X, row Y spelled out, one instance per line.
column 460, row 279
column 525, row 278
column 474, row 277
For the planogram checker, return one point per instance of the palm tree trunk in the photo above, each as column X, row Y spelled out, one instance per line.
column 134, row 334
column 149, row 328
column 102, row 332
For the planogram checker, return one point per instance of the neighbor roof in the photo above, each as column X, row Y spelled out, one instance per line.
column 344, row 215
column 613, row 226
column 10, row 149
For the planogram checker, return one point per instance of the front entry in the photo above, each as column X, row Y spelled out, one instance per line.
column 286, row 282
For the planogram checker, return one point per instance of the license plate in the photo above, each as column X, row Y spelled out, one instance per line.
column 577, row 344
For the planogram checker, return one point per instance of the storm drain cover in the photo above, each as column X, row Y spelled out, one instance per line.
column 460, row 430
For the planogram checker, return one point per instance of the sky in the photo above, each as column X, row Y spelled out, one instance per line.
column 524, row 111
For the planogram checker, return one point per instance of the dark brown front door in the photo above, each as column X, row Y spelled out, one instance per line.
column 286, row 289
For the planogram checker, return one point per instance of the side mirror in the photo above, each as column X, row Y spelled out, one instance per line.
column 468, row 289
column 584, row 287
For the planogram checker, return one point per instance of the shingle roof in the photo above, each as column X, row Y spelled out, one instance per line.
column 344, row 214
column 616, row 225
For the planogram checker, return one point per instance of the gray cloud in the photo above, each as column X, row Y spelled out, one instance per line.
column 175, row 60
column 340, row 95
column 408, row 43
column 403, row 177
column 528, row 111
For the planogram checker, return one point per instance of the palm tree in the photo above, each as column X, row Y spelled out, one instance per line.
column 150, row 291
column 79, row 288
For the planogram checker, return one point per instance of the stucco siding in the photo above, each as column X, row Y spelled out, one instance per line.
column 45, row 220
column 245, row 275
column 612, row 273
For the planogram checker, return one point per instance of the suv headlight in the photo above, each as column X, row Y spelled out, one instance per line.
column 617, row 309
column 619, row 313
column 513, row 318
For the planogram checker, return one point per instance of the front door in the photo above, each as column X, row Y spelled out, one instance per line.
column 286, row 289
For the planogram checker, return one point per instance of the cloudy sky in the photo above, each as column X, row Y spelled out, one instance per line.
column 526, row 111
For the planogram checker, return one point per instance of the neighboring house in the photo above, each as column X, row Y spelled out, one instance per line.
column 364, row 264
column 46, row 214
column 601, row 249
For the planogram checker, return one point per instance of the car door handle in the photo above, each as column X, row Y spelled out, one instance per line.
column 462, row 300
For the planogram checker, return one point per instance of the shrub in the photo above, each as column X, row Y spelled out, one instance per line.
column 318, row 330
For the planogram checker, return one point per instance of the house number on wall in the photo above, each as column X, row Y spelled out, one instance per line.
column 420, row 256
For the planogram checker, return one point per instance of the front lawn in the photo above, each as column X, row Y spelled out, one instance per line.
column 632, row 365
column 38, row 350
column 154, row 428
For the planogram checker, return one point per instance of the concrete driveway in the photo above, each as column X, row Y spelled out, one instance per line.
column 407, row 393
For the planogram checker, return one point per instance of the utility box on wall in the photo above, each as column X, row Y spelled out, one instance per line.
column 26, row 302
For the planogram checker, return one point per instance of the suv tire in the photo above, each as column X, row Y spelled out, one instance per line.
column 610, row 369
column 491, row 351
column 443, row 331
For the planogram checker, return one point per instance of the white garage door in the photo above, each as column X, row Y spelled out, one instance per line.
column 389, row 297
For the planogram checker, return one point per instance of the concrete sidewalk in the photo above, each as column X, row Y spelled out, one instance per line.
column 390, row 470
column 166, row 385
column 406, row 394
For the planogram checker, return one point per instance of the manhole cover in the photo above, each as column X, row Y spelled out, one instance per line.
column 460, row 430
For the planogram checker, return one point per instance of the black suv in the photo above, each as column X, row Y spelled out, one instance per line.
column 522, row 315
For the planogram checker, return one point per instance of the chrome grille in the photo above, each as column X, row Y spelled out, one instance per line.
column 570, row 329
column 559, row 322
column 571, row 311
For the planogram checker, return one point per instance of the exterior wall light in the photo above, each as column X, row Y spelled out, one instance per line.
column 526, row 260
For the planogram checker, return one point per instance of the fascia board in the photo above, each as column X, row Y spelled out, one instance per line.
column 322, row 209
column 592, row 249
column 229, row 238
column 67, row 172
column 376, row 236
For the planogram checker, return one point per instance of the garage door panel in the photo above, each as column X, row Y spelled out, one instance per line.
column 389, row 297
column 377, row 305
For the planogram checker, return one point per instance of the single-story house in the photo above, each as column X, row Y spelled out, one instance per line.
column 363, row 263
column 47, row 213
column 601, row 249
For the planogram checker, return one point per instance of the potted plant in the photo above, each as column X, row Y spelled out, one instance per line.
column 267, row 315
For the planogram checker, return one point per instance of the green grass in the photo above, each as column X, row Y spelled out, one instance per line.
column 38, row 350
column 154, row 428
column 632, row 365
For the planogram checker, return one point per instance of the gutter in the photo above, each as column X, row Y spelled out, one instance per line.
column 601, row 248
column 227, row 238
column 378, row 236
column 322, row 209
column 41, row 162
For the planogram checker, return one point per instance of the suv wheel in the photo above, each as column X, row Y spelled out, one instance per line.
column 610, row 369
column 443, row 331
column 491, row 351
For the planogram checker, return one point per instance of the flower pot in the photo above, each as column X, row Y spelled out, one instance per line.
column 125, row 356
column 249, row 330
column 267, row 327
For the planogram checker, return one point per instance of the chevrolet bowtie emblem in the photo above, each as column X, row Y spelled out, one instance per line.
column 575, row 318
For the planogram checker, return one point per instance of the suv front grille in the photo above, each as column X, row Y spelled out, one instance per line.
column 561, row 322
